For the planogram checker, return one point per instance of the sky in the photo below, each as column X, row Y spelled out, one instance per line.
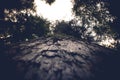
column 58, row 10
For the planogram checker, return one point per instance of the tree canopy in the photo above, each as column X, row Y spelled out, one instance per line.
column 93, row 23
column 14, row 4
column 18, row 22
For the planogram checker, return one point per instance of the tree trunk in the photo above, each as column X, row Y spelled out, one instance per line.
column 55, row 58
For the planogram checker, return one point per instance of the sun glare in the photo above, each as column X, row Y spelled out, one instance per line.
column 58, row 11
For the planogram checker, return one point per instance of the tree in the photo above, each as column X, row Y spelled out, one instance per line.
column 92, row 23
column 18, row 21
column 50, row 1
column 17, row 5
column 59, row 58
column 8, row 10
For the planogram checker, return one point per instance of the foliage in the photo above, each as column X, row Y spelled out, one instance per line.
column 50, row 1
column 92, row 23
column 19, row 23
column 64, row 28
column 33, row 27
column 15, row 5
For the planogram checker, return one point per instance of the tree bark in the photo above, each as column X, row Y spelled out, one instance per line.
column 55, row 58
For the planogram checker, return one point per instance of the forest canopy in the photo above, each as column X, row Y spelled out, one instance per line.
column 91, row 22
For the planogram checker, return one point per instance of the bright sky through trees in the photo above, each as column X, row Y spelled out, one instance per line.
column 62, row 10
column 58, row 10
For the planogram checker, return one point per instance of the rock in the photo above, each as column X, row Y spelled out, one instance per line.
column 61, row 59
